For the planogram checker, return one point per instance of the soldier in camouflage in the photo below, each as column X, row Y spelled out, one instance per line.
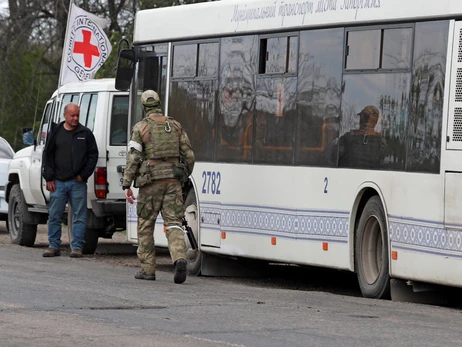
column 159, row 161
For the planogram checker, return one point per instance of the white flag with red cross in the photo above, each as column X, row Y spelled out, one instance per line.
column 86, row 46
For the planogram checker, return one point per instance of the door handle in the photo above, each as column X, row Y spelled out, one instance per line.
column 121, row 168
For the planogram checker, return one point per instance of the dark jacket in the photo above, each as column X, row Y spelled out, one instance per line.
column 84, row 153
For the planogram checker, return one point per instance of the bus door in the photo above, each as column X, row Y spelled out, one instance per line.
column 150, row 73
column 453, row 164
column 117, row 143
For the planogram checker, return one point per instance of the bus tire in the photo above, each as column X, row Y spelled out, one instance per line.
column 91, row 234
column 371, row 251
column 21, row 233
column 194, row 257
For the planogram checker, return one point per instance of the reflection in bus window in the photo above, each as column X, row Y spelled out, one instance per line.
column 275, row 120
column 397, row 48
column 426, row 120
column 388, row 92
column 319, row 97
column 278, row 55
column 363, row 49
column 236, row 98
column 184, row 60
column 208, row 60
column 362, row 147
column 194, row 108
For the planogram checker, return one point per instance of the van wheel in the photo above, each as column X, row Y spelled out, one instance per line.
column 371, row 251
column 91, row 241
column 21, row 233
column 194, row 257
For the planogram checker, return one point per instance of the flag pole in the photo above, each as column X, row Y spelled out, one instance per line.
column 63, row 56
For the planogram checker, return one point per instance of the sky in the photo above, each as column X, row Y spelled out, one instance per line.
column 3, row 5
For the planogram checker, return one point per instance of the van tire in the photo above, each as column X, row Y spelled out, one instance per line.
column 21, row 233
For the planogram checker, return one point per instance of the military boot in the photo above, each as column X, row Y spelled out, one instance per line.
column 141, row 275
column 180, row 271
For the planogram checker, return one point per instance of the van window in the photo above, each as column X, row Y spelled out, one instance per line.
column 88, row 111
column 119, row 121
column 85, row 102
column 42, row 135
column 5, row 149
column 67, row 98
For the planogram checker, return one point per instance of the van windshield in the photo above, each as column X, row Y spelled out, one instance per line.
column 119, row 121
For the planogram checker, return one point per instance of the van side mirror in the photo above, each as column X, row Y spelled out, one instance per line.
column 28, row 137
column 125, row 68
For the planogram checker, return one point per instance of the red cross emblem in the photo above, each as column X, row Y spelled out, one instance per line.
column 86, row 48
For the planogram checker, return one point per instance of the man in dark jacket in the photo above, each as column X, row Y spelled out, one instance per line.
column 69, row 159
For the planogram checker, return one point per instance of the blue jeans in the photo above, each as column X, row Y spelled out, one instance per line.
column 76, row 194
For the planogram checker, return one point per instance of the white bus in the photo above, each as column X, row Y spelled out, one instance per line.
column 327, row 132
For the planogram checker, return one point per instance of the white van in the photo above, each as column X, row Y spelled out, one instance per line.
column 104, row 110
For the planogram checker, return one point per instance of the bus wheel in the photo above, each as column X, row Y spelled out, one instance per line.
column 371, row 251
column 194, row 257
column 91, row 241
column 91, row 235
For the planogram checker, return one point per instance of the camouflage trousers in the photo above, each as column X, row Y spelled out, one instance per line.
column 167, row 199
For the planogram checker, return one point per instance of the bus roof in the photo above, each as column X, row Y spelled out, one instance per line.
column 231, row 17
column 94, row 85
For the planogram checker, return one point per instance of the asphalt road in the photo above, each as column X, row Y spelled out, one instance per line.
column 96, row 301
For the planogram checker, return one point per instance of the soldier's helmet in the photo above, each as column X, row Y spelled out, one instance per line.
column 369, row 114
column 150, row 98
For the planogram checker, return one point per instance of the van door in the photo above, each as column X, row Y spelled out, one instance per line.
column 36, row 182
column 117, row 144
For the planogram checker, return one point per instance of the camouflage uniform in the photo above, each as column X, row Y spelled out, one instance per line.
column 157, row 145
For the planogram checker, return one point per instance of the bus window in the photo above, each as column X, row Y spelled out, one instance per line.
column 152, row 74
column 363, row 50
column 275, row 120
column 384, row 144
column 397, row 48
column 278, row 55
column 208, row 60
column 194, row 108
column 184, row 61
column 426, row 115
column 236, row 98
column 319, row 97
column 119, row 121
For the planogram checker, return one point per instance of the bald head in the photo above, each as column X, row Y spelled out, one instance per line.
column 71, row 116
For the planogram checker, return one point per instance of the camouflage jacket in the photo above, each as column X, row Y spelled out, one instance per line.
column 136, row 153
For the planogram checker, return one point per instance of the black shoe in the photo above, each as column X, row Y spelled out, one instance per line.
column 141, row 275
column 180, row 271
